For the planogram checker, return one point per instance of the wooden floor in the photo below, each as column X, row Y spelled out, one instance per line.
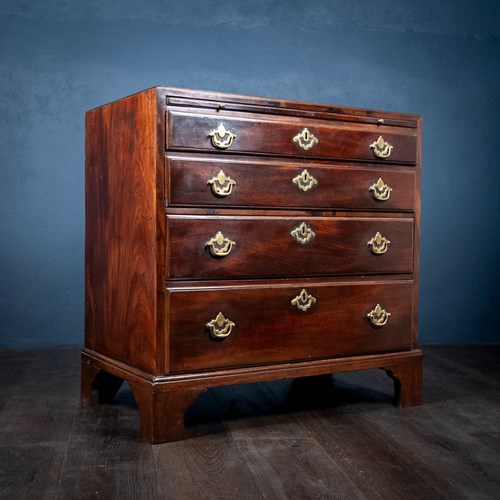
column 309, row 438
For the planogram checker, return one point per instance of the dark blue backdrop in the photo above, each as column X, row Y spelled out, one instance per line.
column 440, row 59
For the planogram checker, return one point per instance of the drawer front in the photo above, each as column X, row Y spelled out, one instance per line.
column 259, row 134
column 246, row 246
column 212, row 182
column 218, row 327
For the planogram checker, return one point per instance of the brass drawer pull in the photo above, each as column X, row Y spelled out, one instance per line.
column 380, row 190
column 378, row 244
column 303, row 300
column 219, row 245
column 305, row 181
column 381, row 148
column 221, row 138
column 378, row 316
column 305, row 139
column 303, row 234
column 220, row 327
column 221, row 184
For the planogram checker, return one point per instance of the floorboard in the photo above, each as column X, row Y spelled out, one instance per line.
column 296, row 468
column 208, row 465
column 322, row 437
column 105, row 458
column 13, row 368
column 29, row 472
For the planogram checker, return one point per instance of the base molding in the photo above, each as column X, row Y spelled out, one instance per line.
column 163, row 399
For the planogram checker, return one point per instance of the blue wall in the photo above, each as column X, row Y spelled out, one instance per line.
column 58, row 58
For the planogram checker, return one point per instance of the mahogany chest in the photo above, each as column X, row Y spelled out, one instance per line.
column 234, row 239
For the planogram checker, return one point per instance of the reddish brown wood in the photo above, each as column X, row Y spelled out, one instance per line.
column 156, row 395
column 121, row 231
column 88, row 393
column 416, row 238
column 270, row 184
column 259, row 134
column 265, row 247
column 283, row 107
column 97, row 386
column 151, row 286
column 407, row 383
column 269, row 328
column 162, row 410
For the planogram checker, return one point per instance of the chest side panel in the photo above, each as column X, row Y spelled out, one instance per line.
column 120, row 239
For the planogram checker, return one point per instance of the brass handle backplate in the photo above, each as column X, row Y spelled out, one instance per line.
column 378, row 244
column 221, row 184
column 220, row 327
column 380, row 190
column 221, row 138
column 305, row 139
column 305, row 181
column 303, row 300
column 219, row 245
column 303, row 234
column 381, row 148
column 378, row 316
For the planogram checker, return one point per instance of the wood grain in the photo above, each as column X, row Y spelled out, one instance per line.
column 102, row 463
column 30, row 471
column 151, row 285
column 250, row 441
column 235, row 102
column 270, row 184
column 13, row 368
column 264, row 247
column 121, row 231
column 261, row 134
column 280, row 331
column 206, row 466
column 309, row 471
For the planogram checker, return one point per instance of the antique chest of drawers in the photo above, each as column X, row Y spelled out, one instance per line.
column 234, row 239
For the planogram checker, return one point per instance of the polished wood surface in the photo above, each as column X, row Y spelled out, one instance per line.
column 265, row 247
column 337, row 437
column 259, row 134
column 218, row 101
column 121, row 232
column 269, row 328
column 154, row 284
column 270, row 184
column 154, row 394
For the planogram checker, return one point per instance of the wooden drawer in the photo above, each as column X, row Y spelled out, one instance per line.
column 250, row 246
column 209, row 181
column 253, row 133
column 263, row 324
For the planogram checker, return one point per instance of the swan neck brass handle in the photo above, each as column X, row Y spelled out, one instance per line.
column 380, row 190
column 381, row 148
column 221, row 138
column 305, row 181
column 303, row 234
column 221, row 185
column 220, row 327
column 378, row 316
column 305, row 139
column 303, row 301
column 378, row 244
column 219, row 245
